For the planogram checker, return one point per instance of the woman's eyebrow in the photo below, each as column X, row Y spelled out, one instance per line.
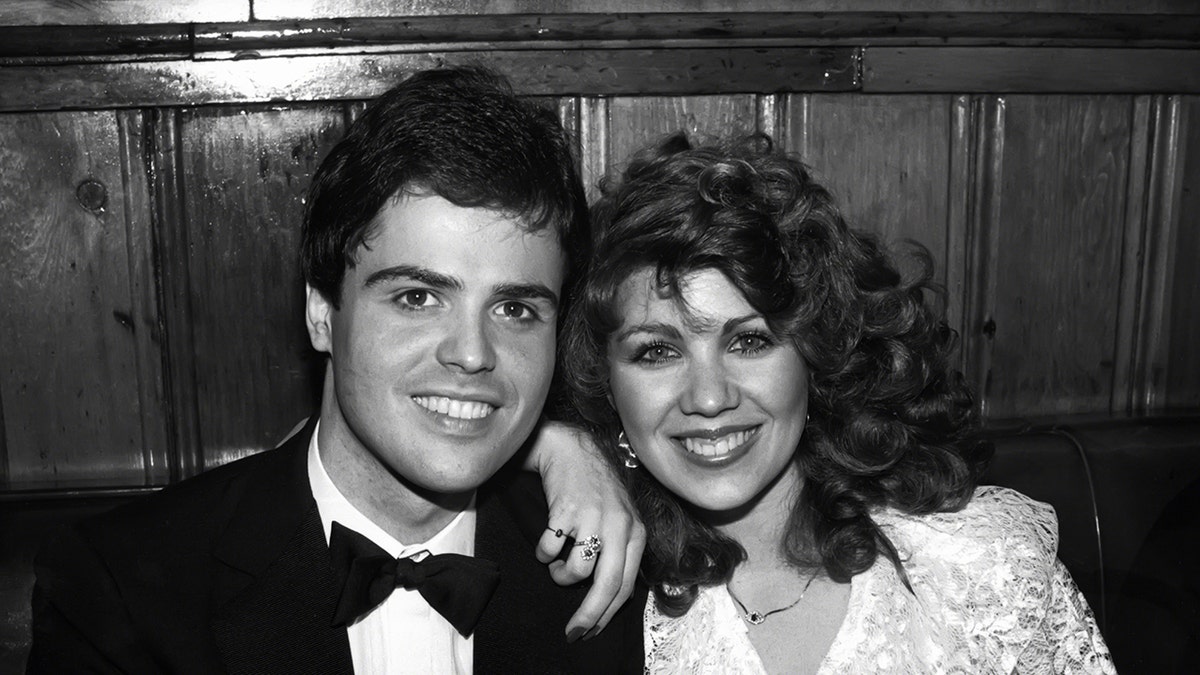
column 654, row 328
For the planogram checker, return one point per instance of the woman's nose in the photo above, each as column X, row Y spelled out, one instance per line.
column 710, row 391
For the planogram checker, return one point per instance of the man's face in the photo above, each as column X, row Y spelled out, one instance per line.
column 443, row 347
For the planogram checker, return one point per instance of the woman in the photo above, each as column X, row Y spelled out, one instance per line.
column 803, row 458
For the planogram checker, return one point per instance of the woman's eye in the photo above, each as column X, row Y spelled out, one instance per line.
column 655, row 354
column 751, row 343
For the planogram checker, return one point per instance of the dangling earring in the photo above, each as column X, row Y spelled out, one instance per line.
column 631, row 458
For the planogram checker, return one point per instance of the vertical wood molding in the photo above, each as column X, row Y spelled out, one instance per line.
column 144, row 298
column 170, row 227
column 982, row 244
column 1133, row 250
column 594, row 147
column 1182, row 385
column 1164, row 185
column 353, row 110
column 5, row 469
column 958, row 218
column 799, row 125
column 568, row 108
column 771, row 112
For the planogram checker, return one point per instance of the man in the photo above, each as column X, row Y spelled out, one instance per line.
column 435, row 248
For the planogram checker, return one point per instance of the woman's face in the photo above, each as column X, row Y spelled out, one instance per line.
column 712, row 401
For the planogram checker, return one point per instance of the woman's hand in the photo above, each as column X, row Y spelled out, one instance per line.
column 586, row 499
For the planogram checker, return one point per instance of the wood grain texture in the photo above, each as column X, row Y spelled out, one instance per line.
column 637, row 122
column 78, row 302
column 307, row 9
column 1015, row 69
column 886, row 159
column 245, row 174
column 324, row 78
column 111, row 12
column 1058, row 254
column 28, row 45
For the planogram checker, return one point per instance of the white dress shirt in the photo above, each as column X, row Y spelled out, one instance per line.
column 403, row 634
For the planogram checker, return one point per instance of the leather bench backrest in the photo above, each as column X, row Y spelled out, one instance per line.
column 1050, row 466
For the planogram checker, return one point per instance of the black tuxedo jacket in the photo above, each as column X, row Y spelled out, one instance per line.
column 230, row 572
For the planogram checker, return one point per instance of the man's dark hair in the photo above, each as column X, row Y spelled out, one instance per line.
column 458, row 133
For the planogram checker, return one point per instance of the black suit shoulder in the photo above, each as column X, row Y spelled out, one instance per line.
column 134, row 589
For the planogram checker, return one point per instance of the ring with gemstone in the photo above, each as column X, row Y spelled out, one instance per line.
column 591, row 547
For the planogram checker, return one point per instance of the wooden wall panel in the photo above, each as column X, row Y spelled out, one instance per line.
column 1020, row 69
column 115, row 12
column 78, row 302
column 541, row 72
column 1182, row 373
column 1056, row 280
column 886, row 159
column 291, row 9
column 245, row 174
column 634, row 122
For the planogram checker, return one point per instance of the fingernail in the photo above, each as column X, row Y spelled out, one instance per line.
column 591, row 633
column 574, row 633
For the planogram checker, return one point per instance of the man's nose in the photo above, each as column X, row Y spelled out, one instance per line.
column 468, row 346
column 709, row 390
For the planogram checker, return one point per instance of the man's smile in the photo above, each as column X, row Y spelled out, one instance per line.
column 455, row 408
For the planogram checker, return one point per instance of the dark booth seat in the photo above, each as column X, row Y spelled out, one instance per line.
column 1127, row 495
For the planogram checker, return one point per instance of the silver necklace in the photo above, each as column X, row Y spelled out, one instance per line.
column 757, row 618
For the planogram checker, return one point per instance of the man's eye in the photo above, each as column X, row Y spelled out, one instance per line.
column 416, row 299
column 516, row 310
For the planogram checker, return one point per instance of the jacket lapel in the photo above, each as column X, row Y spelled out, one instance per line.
column 276, row 593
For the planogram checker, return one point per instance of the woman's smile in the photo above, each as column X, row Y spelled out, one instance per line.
column 711, row 399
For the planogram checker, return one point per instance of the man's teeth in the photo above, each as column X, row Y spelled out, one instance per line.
column 452, row 407
column 720, row 446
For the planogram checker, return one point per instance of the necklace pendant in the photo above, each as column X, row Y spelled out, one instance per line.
column 755, row 618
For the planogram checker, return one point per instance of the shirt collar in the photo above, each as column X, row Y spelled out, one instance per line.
column 458, row 536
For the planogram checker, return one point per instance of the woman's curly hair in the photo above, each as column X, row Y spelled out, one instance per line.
column 890, row 423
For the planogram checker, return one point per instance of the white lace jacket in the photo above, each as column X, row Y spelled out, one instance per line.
column 989, row 597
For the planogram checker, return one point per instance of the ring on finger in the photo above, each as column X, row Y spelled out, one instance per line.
column 590, row 547
column 558, row 532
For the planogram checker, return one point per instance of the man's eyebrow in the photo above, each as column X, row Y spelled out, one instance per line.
column 654, row 328
column 414, row 273
column 528, row 291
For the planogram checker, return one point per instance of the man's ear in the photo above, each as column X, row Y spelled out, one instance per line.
column 318, row 316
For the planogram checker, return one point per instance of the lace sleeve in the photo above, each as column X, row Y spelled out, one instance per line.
column 1069, row 640
column 989, row 594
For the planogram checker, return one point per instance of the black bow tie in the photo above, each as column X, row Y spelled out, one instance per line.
column 456, row 586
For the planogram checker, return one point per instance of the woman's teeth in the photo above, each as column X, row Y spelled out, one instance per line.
column 716, row 447
column 465, row 410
